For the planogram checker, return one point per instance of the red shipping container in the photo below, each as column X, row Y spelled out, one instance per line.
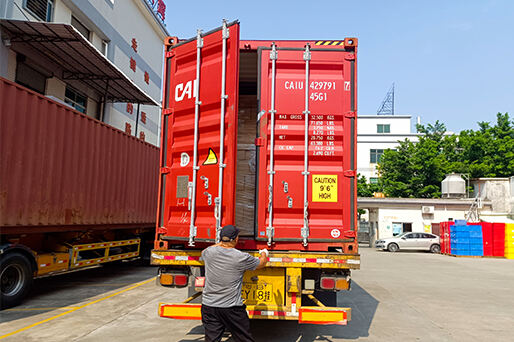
column 498, row 231
column 303, row 186
column 62, row 170
column 487, row 236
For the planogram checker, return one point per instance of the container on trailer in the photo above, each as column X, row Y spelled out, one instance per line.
column 62, row 170
column 264, row 138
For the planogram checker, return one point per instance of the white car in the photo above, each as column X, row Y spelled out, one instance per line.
column 410, row 241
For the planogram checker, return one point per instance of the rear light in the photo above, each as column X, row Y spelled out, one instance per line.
column 342, row 284
column 200, row 282
column 180, row 280
column 328, row 283
column 166, row 279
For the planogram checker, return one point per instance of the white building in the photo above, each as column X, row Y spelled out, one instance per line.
column 377, row 133
column 105, row 71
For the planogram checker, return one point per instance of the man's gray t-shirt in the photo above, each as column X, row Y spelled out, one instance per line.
column 224, row 269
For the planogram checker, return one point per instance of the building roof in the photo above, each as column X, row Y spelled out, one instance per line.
column 78, row 58
column 394, row 201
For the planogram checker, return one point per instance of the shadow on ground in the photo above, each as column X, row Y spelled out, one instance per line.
column 67, row 290
column 363, row 307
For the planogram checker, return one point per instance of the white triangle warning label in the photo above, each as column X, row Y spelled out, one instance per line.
column 212, row 159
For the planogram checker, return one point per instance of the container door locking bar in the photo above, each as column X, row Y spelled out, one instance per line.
column 192, row 227
column 305, row 173
column 271, row 172
column 219, row 200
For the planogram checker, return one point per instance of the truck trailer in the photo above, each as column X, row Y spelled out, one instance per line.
column 262, row 135
column 74, row 192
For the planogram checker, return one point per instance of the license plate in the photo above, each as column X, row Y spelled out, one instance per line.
column 257, row 293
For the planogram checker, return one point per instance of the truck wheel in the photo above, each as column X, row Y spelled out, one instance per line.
column 15, row 279
column 435, row 249
column 392, row 247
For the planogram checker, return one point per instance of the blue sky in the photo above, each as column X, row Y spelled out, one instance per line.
column 451, row 61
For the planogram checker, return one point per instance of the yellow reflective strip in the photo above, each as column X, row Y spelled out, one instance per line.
column 322, row 316
column 182, row 311
column 335, row 43
column 327, row 42
column 319, row 42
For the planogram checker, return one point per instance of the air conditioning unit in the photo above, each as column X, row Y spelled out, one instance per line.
column 427, row 209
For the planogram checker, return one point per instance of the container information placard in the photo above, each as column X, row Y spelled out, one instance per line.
column 324, row 188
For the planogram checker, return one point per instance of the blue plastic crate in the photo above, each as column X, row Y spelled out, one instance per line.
column 459, row 229
column 476, row 247
column 464, row 240
column 476, row 253
column 459, row 235
column 475, row 229
column 475, row 234
column 461, row 222
column 476, row 240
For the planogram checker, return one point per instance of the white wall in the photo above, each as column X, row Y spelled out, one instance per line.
column 386, row 217
column 368, row 138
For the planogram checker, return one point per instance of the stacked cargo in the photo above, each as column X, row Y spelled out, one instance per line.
column 498, row 239
column 509, row 240
column 487, row 237
column 466, row 240
column 445, row 239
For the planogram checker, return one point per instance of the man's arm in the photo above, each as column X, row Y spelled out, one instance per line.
column 263, row 259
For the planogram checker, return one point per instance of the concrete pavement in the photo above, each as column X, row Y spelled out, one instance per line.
column 395, row 297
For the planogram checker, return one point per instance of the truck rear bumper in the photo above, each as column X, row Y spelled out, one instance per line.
column 306, row 314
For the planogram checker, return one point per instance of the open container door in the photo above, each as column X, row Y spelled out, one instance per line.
column 198, row 152
column 307, row 146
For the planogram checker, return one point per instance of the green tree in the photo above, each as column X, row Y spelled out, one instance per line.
column 417, row 169
column 366, row 189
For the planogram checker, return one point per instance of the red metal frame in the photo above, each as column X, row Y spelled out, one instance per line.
column 336, row 112
column 177, row 133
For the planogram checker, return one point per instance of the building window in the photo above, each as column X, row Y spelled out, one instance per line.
column 30, row 77
column 373, row 180
column 383, row 128
column 41, row 9
column 75, row 99
column 374, row 155
column 105, row 46
column 80, row 27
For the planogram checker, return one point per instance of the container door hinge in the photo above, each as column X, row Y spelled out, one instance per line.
column 167, row 111
column 165, row 170
column 169, row 54
column 350, row 233
column 349, row 56
column 349, row 173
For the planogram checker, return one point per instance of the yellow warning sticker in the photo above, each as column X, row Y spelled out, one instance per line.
column 212, row 159
column 324, row 188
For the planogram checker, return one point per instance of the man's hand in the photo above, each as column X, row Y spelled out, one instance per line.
column 263, row 259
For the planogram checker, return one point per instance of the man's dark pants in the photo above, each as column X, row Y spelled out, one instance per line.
column 234, row 319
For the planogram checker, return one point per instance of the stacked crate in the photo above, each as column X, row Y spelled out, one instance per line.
column 509, row 240
column 499, row 239
column 487, row 234
column 444, row 234
column 466, row 240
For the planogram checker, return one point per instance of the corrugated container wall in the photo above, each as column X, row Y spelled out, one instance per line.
column 60, row 167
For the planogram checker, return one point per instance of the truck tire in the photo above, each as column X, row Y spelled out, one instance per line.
column 15, row 279
column 392, row 247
